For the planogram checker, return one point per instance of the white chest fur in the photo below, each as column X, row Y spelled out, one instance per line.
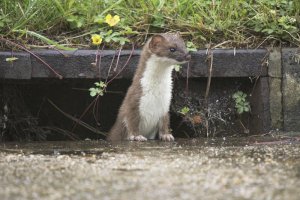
column 156, row 94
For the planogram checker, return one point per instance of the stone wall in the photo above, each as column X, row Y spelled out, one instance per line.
column 284, row 80
column 291, row 89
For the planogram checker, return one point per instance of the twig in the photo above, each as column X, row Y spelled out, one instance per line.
column 187, row 79
column 118, row 59
column 34, row 55
column 210, row 60
column 77, row 120
column 123, row 66
column 70, row 134
column 222, row 43
column 84, row 112
column 95, row 109
column 96, row 105
column 109, row 69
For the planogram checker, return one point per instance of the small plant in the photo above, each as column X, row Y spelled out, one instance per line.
column 184, row 111
column 241, row 104
column 272, row 21
column 4, row 21
column 177, row 68
column 109, row 35
column 191, row 47
column 98, row 90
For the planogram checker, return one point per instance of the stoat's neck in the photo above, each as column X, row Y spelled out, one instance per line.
column 158, row 69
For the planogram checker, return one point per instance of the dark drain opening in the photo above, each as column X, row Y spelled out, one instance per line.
column 72, row 97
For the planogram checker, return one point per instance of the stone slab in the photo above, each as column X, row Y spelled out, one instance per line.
column 291, row 89
column 18, row 69
column 260, row 106
column 274, row 67
column 228, row 63
column 78, row 64
column 276, row 103
column 82, row 63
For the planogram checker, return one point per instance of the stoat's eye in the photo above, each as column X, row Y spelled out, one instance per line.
column 172, row 49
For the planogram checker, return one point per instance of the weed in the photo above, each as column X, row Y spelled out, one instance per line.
column 177, row 68
column 232, row 22
column 241, row 104
column 191, row 47
column 98, row 90
column 184, row 111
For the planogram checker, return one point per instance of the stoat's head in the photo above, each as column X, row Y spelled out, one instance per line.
column 169, row 46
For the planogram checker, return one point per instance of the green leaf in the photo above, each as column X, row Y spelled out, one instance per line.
column 246, row 109
column 257, row 29
column 191, row 46
column 184, row 110
column 238, row 100
column 241, row 104
column 11, row 59
column 99, row 19
column 235, row 96
column 240, row 110
column 267, row 30
column 45, row 39
column 79, row 23
column 98, row 90
column 177, row 68
column 159, row 20
column 123, row 40
column 102, row 84
column 93, row 93
column 109, row 32
column 128, row 31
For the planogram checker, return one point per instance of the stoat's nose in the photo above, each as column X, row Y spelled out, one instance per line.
column 188, row 57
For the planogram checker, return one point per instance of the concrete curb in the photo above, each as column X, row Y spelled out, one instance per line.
column 18, row 69
column 78, row 64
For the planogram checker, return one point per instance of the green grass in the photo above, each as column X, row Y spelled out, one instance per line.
column 227, row 23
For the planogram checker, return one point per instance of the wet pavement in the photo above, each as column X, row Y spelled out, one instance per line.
column 220, row 168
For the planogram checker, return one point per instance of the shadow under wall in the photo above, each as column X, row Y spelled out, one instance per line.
column 72, row 97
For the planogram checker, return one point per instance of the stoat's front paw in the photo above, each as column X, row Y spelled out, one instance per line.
column 139, row 138
column 166, row 137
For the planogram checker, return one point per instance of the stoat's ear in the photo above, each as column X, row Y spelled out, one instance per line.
column 155, row 41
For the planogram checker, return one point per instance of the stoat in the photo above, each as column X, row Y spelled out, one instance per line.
column 145, row 109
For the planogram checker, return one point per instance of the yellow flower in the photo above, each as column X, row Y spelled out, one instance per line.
column 96, row 39
column 112, row 20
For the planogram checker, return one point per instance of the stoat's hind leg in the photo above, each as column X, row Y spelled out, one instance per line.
column 164, row 132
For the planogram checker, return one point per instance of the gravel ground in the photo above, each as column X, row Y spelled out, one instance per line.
column 244, row 168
